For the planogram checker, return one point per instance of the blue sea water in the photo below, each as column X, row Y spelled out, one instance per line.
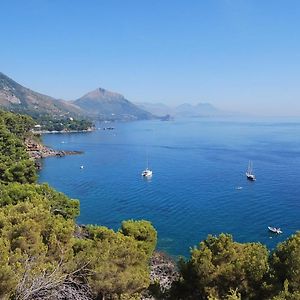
column 197, row 165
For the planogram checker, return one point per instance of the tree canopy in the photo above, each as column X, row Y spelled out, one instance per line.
column 15, row 165
column 43, row 251
column 219, row 265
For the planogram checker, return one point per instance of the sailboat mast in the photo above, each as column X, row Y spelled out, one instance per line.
column 250, row 167
column 147, row 159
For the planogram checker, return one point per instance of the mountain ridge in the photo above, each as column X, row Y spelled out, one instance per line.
column 102, row 103
column 15, row 97
column 201, row 109
column 98, row 104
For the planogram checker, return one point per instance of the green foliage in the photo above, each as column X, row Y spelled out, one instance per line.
column 219, row 265
column 29, row 230
column 22, row 171
column 285, row 294
column 17, row 124
column 37, row 226
column 285, row 263
column 143, row 232
column 15, row 165
column 232, row 295
column 49, row 123
column 57, row 203
column 113, row 263
column 37, row 231
column 39, row 237
column 8, row 279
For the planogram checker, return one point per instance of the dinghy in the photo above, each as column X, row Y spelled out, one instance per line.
column 275, row 230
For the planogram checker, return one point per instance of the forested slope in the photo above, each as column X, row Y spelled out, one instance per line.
column 43, row 253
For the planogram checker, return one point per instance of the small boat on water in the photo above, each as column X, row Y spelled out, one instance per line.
column 147, row 173
column 249, row 173
column 275, row 230
column 81, row 167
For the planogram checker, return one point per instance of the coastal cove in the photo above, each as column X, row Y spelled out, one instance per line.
column 197, row 165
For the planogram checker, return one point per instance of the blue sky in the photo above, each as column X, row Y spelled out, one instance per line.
column 239, row 55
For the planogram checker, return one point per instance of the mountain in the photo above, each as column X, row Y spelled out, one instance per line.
column 183, row 110
column 197, row 110
column 18, row 98
column 104, row 104
column 157, row 109
column 98, row 104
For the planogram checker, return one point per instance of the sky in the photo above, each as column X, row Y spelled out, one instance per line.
column 239, row 55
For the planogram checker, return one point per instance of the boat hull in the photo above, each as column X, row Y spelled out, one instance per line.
column 274, row 230
column 147, row 173
column 250, row 177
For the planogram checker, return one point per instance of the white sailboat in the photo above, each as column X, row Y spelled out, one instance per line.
column 249, row 173
column 147, row 172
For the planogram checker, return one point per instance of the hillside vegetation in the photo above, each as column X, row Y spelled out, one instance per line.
column 15, row 97
column 44, row 254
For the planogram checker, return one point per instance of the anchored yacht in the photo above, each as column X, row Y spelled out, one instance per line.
column 249, row 173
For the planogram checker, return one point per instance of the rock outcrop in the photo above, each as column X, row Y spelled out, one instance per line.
column 36, row 150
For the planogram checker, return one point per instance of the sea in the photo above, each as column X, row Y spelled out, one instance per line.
column 198, row 185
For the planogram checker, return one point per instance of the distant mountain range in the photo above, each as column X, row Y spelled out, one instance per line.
column 98, row 104
column 183, row 110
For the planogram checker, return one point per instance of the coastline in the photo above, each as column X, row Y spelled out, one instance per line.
column 163, row 268
column 40, row 132
column 37, row 150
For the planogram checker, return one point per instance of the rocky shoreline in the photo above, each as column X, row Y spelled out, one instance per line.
column 163, row 269
column 36, row 150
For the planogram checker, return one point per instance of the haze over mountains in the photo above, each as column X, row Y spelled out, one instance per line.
column 98, row 104
column 185, row 110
